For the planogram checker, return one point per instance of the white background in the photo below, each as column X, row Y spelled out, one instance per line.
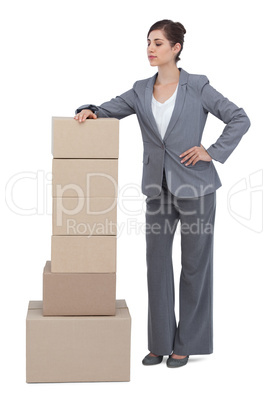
column 58, row 55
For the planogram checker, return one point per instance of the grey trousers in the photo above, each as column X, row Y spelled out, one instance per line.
column 194, row 332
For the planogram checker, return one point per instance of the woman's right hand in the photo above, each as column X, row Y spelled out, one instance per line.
column 85, row 114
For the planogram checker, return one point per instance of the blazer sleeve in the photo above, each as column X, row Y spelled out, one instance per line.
column 235, row 118
column 118, row 107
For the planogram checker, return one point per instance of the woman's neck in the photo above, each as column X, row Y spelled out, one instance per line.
column 167, row 75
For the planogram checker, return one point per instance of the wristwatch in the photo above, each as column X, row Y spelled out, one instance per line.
column 93, row 108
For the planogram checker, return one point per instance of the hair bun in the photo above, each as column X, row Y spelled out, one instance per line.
column 179, row 25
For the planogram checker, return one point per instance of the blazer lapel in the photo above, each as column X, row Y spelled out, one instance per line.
column 148, row 104
column 178, row 102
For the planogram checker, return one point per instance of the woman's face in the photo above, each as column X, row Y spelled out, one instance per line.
column 159, row 50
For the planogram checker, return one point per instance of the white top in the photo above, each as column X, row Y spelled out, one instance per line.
column 162, row 112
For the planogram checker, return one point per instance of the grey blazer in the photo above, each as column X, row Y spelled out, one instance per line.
column 195, row 98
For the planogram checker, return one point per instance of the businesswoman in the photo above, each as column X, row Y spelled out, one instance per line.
column 180, row 182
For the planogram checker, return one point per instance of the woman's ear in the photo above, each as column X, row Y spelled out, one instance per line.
column 177, row 48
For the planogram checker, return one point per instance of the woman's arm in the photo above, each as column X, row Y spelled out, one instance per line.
column 235, row 118
column 118, row 107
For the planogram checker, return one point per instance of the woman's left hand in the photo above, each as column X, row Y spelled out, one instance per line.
column 194, row 155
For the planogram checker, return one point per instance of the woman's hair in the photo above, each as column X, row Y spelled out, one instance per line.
column 174, row 32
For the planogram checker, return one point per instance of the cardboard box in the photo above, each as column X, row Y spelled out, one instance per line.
column 88, row 254
column 85, row 178
column 94, row 138
column 84, row 216
column 70, row 349
column 78, row 294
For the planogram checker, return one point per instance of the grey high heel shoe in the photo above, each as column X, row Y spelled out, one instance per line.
column 172, row 363
column 151, row 360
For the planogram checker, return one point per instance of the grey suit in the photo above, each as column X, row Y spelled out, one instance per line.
column 195, row 98
column 179, row 193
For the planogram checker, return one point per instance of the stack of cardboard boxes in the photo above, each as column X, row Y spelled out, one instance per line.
column 80, row 332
